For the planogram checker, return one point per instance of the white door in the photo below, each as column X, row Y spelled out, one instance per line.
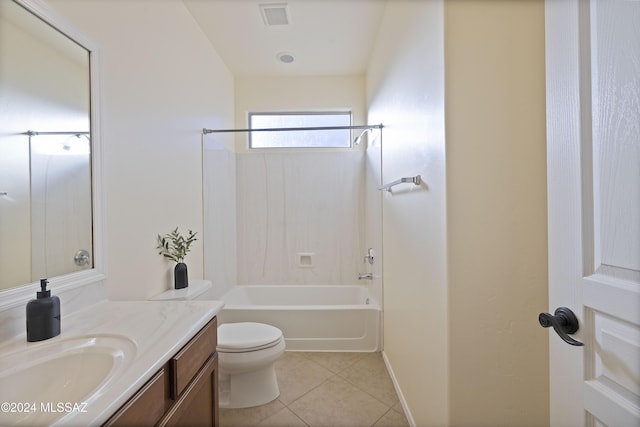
column 593, row 160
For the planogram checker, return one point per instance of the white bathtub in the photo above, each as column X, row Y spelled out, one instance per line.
column 311, row 317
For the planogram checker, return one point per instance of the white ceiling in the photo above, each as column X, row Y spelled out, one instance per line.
column 326, row 37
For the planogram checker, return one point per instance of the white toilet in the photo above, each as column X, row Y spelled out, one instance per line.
column 247, row 352
column 246, row 355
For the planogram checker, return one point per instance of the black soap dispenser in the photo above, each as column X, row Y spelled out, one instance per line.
column 43, row 315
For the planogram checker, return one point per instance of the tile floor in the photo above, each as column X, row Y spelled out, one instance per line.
column 326, row 389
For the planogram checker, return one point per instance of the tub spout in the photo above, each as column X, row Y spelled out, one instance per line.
column 365, row 276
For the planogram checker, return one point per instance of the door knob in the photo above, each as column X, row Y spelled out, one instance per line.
column 564, row 322
column 82, row 257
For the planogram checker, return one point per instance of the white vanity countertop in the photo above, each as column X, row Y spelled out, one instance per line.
column 159, row 329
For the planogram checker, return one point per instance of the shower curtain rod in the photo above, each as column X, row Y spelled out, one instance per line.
column 206, row 131
column 34, row 133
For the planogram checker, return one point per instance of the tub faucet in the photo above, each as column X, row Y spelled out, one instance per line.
column 369, row 256
column 365, row 276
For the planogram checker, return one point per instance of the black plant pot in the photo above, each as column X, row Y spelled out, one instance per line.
column 180, row 276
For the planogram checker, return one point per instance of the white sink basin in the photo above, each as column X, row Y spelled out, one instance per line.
column 49, row 379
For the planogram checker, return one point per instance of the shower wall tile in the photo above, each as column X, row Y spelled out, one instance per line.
column 60, row 185
column 300, row 202
column 372, row 237
column 219, row 236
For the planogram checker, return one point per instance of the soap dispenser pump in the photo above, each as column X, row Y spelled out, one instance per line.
column 43, row 315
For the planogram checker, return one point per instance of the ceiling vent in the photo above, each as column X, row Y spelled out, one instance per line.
column 275, row 14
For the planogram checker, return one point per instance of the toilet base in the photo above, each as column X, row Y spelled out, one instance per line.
column 248, row 389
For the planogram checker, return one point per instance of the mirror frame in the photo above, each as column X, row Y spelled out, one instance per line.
column 12, row 297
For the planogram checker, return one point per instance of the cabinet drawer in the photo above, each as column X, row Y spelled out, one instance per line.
column 146, row 407
column 198, row 405
column 192, row 356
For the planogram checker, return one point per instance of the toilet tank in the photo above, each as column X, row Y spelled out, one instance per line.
column 197, row 290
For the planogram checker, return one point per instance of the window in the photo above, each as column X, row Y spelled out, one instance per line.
column 321, row 138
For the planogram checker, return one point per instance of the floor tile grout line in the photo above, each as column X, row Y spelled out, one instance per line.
column 307, row 392
column 365, row 391
column 293, row 412
column 359, row 358
column 381, row 417
column 338, row 374
column 335, row 369
column 386, row 405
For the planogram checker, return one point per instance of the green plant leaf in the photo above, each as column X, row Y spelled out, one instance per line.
column 174, row 245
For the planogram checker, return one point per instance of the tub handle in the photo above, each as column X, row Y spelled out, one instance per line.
column 369, row 256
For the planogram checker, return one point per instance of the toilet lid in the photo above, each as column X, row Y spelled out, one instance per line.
column 247, row 336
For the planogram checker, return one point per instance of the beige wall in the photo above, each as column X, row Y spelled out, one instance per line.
column 496, row 210
column 405, row 91
column 162, row 82
column 465, row 269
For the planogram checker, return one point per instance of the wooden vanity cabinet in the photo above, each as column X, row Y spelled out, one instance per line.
column 183, row 393
column 146, row 407
column 197, row 406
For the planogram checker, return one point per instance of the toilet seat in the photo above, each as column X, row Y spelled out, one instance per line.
column 247, row 336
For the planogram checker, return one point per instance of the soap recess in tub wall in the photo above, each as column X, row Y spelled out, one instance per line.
column 305, row 259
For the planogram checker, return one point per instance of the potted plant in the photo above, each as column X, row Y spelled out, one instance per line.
column 175, row 246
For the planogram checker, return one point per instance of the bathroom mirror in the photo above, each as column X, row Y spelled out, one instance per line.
column 48, row 150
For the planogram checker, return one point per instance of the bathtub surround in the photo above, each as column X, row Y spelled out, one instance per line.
column 282, row 204
column 220, row 211
column 297, row 202
column 299, row 216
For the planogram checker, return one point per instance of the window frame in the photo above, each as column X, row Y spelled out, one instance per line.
column 337, row 112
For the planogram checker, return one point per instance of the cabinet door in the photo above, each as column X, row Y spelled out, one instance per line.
column 146, row 407
column 197, row 405
column 191, row 358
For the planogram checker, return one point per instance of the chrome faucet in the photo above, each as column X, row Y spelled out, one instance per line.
column 365, row 276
